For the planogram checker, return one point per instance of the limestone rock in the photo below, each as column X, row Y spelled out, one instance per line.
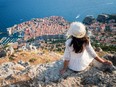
column 47, row 75
column 98, row 49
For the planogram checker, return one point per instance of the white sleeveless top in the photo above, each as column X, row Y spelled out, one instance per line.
column 78, row 61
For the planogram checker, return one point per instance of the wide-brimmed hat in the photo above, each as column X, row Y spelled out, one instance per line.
column 77, row 29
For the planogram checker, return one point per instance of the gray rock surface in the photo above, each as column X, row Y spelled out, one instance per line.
column 98, row 49
column 47, row 75
column 2, row 53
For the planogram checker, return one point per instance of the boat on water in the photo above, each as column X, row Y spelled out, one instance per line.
column 20, row 36
column 77, row 16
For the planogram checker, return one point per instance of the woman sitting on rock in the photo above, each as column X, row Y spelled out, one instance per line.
column 78, row 52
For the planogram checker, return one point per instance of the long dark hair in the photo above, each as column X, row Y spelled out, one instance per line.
column 79, row 43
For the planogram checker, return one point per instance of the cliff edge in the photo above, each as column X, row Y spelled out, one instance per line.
column 22, row 74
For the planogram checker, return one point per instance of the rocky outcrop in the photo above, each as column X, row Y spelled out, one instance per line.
column 10, row 50
column 2, row 53
column 102, row 18
column 89, row 20
column 111, row 58
column 22, row 74
column 113, row 16
column 98, row 49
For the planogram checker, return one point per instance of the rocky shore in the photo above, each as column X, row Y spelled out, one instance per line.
column 22, row 74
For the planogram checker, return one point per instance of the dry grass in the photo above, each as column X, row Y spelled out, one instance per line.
column 2, row 60
column 17, row 79
column 42, row 56
column 101, row 54
column 18, row 68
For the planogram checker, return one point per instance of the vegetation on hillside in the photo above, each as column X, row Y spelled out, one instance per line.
column 104, row 47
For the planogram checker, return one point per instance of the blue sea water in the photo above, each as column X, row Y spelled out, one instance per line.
column 17, row 11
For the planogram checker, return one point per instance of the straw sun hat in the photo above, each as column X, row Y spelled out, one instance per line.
column 77, row 29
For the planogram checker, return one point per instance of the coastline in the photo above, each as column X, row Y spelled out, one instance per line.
column 56, row 25
column 37, row 28
column 3, row 34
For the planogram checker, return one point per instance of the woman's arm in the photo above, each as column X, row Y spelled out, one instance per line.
column 103, row 60
column 66, row 62
column 63, row 70
column 92, row 52
column 66, row 58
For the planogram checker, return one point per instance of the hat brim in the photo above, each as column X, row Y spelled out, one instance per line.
column 69, row 34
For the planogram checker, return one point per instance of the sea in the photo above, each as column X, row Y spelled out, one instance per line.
column 17, row 11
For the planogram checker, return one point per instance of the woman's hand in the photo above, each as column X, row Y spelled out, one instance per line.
column 107, row 62
column 62, row 71
column 103, row 60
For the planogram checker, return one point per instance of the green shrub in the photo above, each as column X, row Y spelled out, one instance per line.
column 11, row 58
column 32, row 60
column 6, row 46
column 30, row 40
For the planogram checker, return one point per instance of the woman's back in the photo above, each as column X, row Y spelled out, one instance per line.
column 78, row 61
